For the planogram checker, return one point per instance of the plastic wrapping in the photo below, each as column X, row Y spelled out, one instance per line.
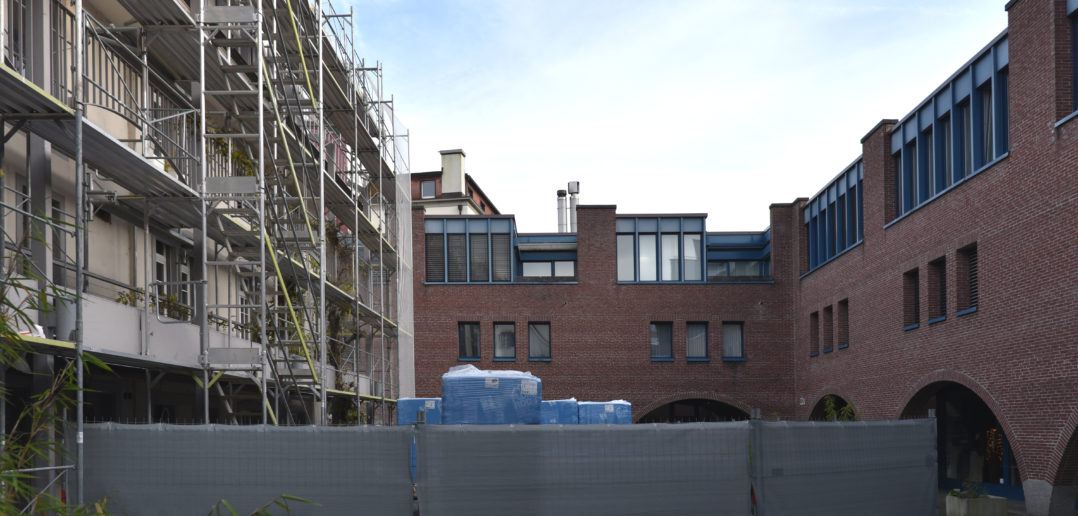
column 408, row 409
column 617, row 412
column 560, row 412
column 471, row 396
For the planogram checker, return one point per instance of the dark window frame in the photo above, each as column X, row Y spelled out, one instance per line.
column 513, row 333
column 707, row 337
column 549, row 341
column 466, row 329
column 740, row 357
column 655, row 345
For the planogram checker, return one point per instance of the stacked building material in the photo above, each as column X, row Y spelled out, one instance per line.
column 559, row 412
column 618, row 412
column 472, row 396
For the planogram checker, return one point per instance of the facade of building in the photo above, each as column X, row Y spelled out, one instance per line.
column 220, row 198
column 932, row 276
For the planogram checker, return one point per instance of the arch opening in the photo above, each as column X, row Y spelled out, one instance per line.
column 970, row 442
column 839, row 409
column 694, row 410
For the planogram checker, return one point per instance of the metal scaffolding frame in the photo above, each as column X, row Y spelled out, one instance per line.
column 257, row 135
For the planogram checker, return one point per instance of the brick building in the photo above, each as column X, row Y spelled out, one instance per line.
column 933, row 276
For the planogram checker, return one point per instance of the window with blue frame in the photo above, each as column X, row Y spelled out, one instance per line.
column 662, row 341
column 468, row 341
column 668, row 249
column 539, row 341
column 937, row 290
column 843, row 330
column 814, row 334
column 733, row 341
column 461, row 250
column 960, row 130
column 505, row 341
column 696, row 341
column 828, row 329
column 911, row 299
column 834, row 218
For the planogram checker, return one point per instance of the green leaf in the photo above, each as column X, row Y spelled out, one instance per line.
column 301, row 500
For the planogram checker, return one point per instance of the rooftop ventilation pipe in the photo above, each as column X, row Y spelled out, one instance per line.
column 574, row 190
column 561, row 211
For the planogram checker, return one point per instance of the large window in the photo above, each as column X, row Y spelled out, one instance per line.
column 476, row 250
column 468, row 341
column 814, row 334
column 833, row 219
column 505, row 341
column 545, row 269
column 733, row 341
column 539, row 341
column 662, row 339
column 696, row 341
column 983, row 122
column 660, row 249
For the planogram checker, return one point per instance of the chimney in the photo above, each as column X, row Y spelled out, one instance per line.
column 574, row 190
column 452, row 171
column 561, row 211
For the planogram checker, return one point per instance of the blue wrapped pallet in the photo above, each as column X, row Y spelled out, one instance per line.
column 471, row 396
column 559, row 412
column 618, row 412
column 408, row 409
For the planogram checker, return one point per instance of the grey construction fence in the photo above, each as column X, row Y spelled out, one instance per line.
column 784, row 468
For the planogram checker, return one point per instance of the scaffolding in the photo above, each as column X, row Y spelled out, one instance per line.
column 251, row 134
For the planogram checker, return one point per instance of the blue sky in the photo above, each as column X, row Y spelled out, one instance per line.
column 717, row 107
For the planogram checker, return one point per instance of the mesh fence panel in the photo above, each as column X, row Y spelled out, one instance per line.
column 167, row 469
column 880, row 468
column 586, row 470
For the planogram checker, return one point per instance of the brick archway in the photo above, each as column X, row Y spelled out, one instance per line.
column 685, row 396
column 817, row 413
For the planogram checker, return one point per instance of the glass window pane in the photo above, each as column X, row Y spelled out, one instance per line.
column 505, row 340
column 501, row 262
column 662, row 340
column 744, row 268
column 435, row 258
column 696, row 340
column 426, row 189
column 536, row 269
column 458, row 257
column 671, row 258
column 717, row 271
column 732, row 343
column 693, row 254
column 469, row 341
column 648, row 262
column 626, row 260
column 480, row 259
column 538, row 340
column 565, row 269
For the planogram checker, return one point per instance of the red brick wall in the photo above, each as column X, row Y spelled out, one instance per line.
column 1018, row 350
column 600, row 330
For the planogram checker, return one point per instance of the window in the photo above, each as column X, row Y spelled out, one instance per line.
column 693, row 257
column 536, row 269
column 172, row 271
column 814, row 334
column 727, row 270
column 967, row 279
column 925, row 168
column 909, row 175
column 662, row 338
column 911, row 301
column 426, row 190
column 937, row 290
column 833, row 219
column 539, row 341
column 458, row 254
column 983, row 123
column 647, row 260
column 828, row 329
column 473, row 249
column 943, row 160
column 1074, row 56
column 479, row 257
column 565, row 269
column 733, row 345
column 671, row 258
column 559, row 269
column 468, row 339
column 843, row 333
column 626, row 253
column 965, row 135
column 696, row 341
column 1002, row 112
column 505, row 341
